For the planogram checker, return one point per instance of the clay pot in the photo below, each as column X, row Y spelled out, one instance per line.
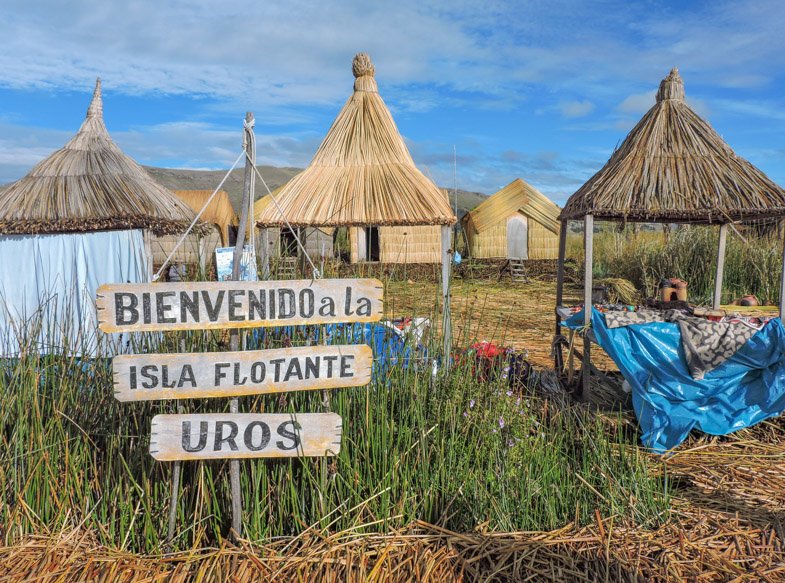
column 749, row 300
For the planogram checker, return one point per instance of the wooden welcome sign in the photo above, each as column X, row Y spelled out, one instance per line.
column 244, row 435
column 144, row 377
column 237, row 304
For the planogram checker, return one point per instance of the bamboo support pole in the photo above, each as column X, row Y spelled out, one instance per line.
column 588, row 243
column 446, row 316
column 559, row 359
column 720, row 266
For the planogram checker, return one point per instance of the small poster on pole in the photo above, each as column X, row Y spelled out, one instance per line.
column 224, row 260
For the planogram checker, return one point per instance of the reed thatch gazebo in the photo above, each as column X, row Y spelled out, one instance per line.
column 80, row 218
column 363, row 177
column 672, row 168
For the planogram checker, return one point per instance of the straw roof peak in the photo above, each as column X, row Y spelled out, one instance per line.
column 363, row 71
column 672, row 87
column 362, row 65
column 96, row 108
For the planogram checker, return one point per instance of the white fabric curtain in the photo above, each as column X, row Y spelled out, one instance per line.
column 48, row 285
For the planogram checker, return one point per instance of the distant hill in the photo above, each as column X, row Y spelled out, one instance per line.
column 176, row 179
column 179, row 179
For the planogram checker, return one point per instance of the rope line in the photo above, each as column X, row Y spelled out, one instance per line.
column 316, row 273
column 196, row 218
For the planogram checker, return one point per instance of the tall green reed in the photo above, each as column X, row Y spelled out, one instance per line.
column 447, row 449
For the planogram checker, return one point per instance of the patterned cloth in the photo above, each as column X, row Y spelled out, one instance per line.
column 706, row 344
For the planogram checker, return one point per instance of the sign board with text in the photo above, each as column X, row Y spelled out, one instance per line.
column 143, row 377
column 237, row 304
column 244, row 435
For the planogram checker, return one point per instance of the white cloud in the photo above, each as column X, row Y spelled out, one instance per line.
column 637, row 103
column 576, row 108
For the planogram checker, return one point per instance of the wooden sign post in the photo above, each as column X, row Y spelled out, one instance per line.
column 244, row 435
column 238, row 305
column 146, row 377
column 129, row 307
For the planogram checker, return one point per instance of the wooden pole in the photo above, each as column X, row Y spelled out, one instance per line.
column 446, row 316
column 588, row 246
column 265, row 253
column 720, row 266
column 175, row 481
column 234, row 338
column 202, row 258
column 148, row 251
column 782, row 285
column 560, row 293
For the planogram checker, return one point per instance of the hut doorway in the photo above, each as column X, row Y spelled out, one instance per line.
column 288, row 243
column 517, row 237
column 368, row 248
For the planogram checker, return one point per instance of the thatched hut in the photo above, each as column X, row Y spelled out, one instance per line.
column 672, row 168
column 363, row 178
column 280, row 241
column 518, row 222
column 79, row 219
column 199, row 247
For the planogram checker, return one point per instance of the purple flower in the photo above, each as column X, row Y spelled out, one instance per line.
column 509, row 393
column 510, row 442
column 465, row 414
column 501, row 422
column 471, row 404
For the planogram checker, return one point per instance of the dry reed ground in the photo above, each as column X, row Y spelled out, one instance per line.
column 519, row 315
column 726, row 521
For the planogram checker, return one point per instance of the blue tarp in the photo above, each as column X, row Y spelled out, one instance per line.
column 389, row 347
column 746, row 389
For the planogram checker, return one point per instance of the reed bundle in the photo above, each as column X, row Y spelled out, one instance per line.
column 673, row 167
column 362, row 174
column 90, row 185
column 620, row 291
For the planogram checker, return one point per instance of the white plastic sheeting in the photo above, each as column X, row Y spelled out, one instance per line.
column 48, row 285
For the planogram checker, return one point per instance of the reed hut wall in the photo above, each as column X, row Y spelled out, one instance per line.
column 410, row 244
column 193, row 250
column 317, row 242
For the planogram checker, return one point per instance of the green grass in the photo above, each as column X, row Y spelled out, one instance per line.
column 752, row 265
column 451, row 450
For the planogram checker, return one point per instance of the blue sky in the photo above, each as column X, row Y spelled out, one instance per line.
column 542, row 90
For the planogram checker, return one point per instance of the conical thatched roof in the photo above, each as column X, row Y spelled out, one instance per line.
column 362, row 173
column 90, row 185
column 674, row 167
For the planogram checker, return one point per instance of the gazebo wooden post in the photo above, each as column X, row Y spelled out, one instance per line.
column 446, row 316
column 265, row 252
column 720, row 266
column 782, row 285
column 560, row 294
column 588, row 247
